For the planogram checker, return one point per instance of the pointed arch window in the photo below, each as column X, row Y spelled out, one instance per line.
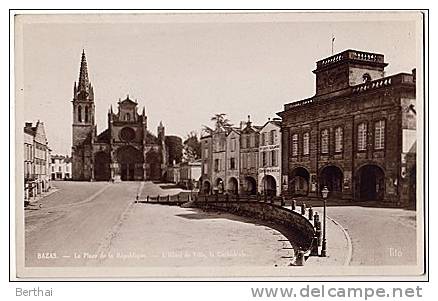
column 86, row 114
column 80, row 114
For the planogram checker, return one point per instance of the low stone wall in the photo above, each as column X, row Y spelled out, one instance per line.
column 298, row 223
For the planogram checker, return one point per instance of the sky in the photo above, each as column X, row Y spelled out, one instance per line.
column 184, row 69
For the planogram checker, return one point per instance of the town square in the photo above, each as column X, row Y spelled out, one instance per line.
column 222, row 145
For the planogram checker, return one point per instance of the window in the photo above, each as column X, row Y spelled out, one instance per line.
column 264, row 160
column 244, row 142
column 252, row 141
column 59, row 169
column 205, row 152
column 339, row 133
column 53, row 161
column 205, row 168
column 216, row 164
column 306, row 138
column 86, row 114
column 233, row 144
column 262, row 143
column 273, row 137
column 295, row 145
column 273, row 158
column 249, row 163
column 232, row 163
column 79, row 114
column 379, row 134
column 324, row 141
column 362, row 136
column 128, row 117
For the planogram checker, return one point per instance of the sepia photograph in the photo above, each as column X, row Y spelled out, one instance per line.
column 181, row 145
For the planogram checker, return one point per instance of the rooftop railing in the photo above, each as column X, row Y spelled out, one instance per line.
column 352, row 55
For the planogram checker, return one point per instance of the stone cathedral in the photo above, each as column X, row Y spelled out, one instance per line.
column 125, row 151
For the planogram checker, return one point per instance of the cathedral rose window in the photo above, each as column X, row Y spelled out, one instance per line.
column 127, row 134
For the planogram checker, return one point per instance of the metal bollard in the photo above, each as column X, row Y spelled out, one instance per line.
column 310, row 213
column 318, row 232
column 314, row 249
column 303, row 209
column 299, row 261
column 316, row 217
column 282, row 201
column 294, row 205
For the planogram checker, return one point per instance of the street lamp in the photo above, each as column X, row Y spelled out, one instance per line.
column 324, row 193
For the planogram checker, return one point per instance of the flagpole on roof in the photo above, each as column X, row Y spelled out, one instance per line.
column 333, row 43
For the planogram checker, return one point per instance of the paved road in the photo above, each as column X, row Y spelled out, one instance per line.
column 97, row 224
column 379, row 236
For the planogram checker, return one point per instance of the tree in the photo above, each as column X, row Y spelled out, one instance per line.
column 192, row 147
column 221, row 122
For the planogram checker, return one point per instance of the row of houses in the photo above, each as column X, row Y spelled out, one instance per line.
column 40, row 166
column 356, row 136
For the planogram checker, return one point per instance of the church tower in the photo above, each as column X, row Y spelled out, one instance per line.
column 83, row 125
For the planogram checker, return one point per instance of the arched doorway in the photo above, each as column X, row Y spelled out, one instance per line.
column 206, row 188
column 131, row 162
column 102, row 171
column 233, row 186
column 269, row 185
column 250, row 186
column 219, row 186
column 299, row 182
column 332, row 177
column 371, row 183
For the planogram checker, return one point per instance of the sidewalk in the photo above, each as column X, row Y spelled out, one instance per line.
column 339, row 248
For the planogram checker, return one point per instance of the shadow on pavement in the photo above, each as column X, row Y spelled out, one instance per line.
column 292, row 236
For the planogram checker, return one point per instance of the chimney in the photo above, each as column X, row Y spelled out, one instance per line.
column 28, row 124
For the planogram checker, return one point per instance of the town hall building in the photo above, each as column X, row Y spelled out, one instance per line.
column 125, row 151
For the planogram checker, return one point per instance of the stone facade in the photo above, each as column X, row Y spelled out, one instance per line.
column 269, row 173
column 207, row 163
column 60, row 167
column 249, row 158
column 126, row 150
column 36, row 160
column 356, row 135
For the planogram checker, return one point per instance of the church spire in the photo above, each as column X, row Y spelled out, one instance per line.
column 83, row 84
